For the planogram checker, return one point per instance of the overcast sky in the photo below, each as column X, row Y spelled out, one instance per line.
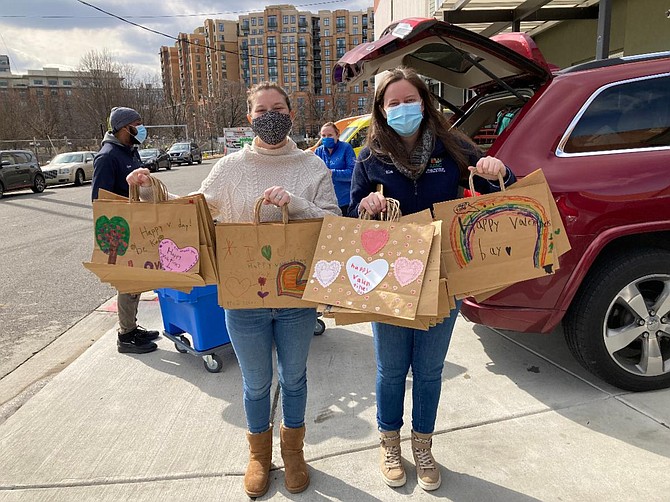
column 57, row 33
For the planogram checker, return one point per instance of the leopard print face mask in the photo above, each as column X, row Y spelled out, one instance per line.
column 272, row 127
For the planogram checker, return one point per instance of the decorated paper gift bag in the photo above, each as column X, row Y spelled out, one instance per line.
column 140, row 246
column 375, row 266
column 265, row 265
column 494, row 240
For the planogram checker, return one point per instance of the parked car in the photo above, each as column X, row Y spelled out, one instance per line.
column 600, row 131
column 185, row 153
column 19, row 169
column 155, row 158
column 70, row 167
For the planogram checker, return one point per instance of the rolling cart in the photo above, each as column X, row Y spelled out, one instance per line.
column 195, row 323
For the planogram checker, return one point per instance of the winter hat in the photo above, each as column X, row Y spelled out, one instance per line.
column 122, row 116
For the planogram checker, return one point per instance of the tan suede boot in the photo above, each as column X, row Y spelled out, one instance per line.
column 257, row 477
column 427, row 471
column 296, row 472
column 390, row 463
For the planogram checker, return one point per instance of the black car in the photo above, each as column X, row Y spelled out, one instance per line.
column 19, row 169
column 155, row 158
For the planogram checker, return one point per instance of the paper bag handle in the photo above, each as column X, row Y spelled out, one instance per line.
column 158, row 188
column 259, row 205
column 472, row 184
column 392, row 212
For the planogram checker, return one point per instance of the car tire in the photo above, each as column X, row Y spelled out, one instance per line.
column 2, row 190
column 612, row 326
column 168, row 166
column 190, row 160
column 200, row 161
column 79, row 178
column 39, row 184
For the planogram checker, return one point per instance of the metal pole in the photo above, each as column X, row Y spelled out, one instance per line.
column 604, row 24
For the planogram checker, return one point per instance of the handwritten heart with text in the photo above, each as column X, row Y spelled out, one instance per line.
column 364, row 276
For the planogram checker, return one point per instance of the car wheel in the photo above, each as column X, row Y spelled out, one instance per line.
column 2, row 190
column 618, row 325
column 39, row 184
column 79, row 178
column 168, row 166
column 200, row 161
column 190, row 160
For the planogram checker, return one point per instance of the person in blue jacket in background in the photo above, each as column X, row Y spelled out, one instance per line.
column 340, row 159
column 418, row 159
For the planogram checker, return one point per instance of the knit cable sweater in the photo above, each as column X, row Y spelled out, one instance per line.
column 237, row 180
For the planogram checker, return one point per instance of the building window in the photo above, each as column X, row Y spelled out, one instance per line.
column 326, row 21
column 253, row 21
column 260, row 51
column 326, row 52
column 293, row 19
column 355, row 41
column 260, row 21
column 67, row 82
column 327, row 70
column 286, row 79
column 221, row 27
column 354, row 19
column 355, row 31
column 328, row 91
column 357, row 89
column 285, row 19
column 52, row 82
column 38, row 82
column 326, row 33
column 327, row 80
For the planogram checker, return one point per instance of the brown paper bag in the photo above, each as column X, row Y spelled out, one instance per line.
column 375, row 266
column 491, row 241
column 265, row 265
column 140, row 246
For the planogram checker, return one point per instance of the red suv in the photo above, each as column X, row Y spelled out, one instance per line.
column 600, row 132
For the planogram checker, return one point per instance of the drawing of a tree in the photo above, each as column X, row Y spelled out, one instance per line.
column 112, row 235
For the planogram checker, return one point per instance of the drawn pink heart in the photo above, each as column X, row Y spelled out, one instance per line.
column 364, row 276
column 326, row 272
column 262, row 294
column 175, row 259
column 374, row 240
column 407, row 271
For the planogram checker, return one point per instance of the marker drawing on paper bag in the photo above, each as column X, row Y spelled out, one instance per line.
column 112, row 235
column 480, row 216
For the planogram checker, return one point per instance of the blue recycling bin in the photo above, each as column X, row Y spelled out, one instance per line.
column 196, row 313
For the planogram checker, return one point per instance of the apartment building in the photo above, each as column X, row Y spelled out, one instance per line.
column 47, row 81
column 282, row 44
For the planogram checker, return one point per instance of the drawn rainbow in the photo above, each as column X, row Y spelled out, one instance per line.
column 473, row 211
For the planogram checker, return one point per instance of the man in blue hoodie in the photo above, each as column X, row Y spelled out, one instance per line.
column 115, row 160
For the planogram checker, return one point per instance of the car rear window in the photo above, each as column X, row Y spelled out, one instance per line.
column 629, row 115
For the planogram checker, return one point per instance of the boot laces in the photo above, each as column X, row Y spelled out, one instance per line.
column 392, row 456
column 424, row 458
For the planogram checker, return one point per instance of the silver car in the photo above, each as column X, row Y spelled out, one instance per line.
column 70, row 167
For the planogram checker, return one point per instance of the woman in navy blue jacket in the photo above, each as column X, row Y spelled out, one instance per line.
column 412, row 152
column 340, row 159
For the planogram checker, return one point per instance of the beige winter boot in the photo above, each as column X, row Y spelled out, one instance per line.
column 390, row 462
column 427, row 471
column 296, row 475
column 257, row 477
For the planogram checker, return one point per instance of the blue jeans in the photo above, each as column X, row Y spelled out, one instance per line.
column 396, row 350
column 252, row 333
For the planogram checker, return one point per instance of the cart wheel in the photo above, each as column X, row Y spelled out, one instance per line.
column 212, row 363
column 319, row 328
column 185, row 341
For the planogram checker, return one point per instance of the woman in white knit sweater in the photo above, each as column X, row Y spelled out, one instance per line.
column 286, row 176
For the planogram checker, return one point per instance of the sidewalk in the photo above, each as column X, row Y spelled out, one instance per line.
column 519, row 420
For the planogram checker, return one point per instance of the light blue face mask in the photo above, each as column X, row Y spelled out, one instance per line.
column 405, row 118
column 141, row 134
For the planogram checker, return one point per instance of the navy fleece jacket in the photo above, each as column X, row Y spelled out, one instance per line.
column 112, row 164
column 439, row 182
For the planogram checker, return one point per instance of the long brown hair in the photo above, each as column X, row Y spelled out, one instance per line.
column 384, row 141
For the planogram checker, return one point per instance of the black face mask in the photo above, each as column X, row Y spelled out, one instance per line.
column 272, row 127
